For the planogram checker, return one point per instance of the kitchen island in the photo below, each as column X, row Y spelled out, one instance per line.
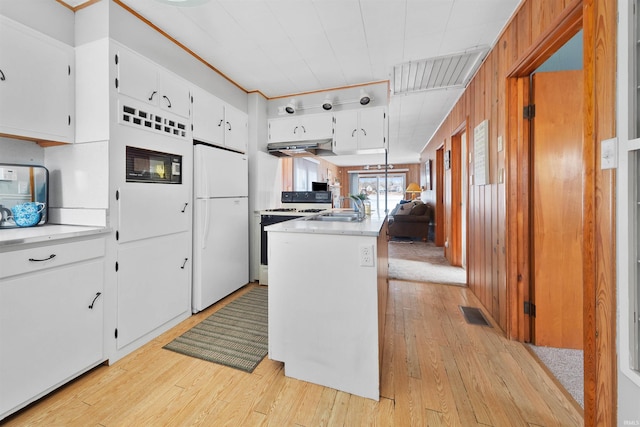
column 327, row 301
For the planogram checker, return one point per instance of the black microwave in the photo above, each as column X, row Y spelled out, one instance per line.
column 153, row 166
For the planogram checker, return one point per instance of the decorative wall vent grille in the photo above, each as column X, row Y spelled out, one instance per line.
column 140, row 118
column 436, row 73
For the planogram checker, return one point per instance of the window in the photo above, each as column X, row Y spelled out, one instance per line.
column 376, row 188
column 305, row 171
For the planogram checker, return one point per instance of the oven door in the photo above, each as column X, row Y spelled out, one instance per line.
column 266, row 220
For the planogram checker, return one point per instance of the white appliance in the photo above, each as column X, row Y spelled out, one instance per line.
column 221, row 224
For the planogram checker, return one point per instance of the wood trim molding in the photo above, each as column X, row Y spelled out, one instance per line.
column 561, row 31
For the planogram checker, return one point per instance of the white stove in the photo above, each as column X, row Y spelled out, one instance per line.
column 295, row 204
column 302, row 203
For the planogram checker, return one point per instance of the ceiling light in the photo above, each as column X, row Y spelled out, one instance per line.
column 327, row 104
column 291, row 107
column 364, row 98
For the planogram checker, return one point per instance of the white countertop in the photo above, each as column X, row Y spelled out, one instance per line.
column 10, row 237
column 370, row 226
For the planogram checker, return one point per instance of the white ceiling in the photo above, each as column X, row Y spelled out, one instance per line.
column 284, row 47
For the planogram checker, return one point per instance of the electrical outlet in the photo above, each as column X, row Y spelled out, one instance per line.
column 366, row 256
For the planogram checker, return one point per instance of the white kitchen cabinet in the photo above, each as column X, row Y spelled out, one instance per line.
column 217, row 123
column 361, row 130
column 36, row 84
column 150, row 210
column 301, row 128
column 145, row 81
column 154, row 285
column 51, row 318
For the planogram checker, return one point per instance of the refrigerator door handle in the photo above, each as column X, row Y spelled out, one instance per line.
column 205, row 232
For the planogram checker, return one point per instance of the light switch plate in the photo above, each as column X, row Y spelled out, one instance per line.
column 609, row 153
column 500, row 144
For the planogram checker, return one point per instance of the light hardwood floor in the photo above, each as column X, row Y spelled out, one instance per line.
column 437, row 371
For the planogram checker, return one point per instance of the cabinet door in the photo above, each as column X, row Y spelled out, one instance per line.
column 371, row 126
column 153, row 285
column 316, row 126
column 137, row 77
column 148, row 210
column 208, row 117
column 51, row 329
column 174, row 94
column 346, row 132
column 284, row 129
column 236, row 129
column 36, row 84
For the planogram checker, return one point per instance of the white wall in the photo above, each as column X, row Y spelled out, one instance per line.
column 47, row 16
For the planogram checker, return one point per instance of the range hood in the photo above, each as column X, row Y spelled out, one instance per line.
column 318, row 147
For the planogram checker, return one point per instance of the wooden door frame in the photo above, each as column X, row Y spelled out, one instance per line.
column 600, row 392
column 455, row 241
column 439, row 209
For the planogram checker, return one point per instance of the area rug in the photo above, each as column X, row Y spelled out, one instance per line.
column 234, row 336
column 420, row 261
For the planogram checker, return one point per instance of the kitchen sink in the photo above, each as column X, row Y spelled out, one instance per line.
column 347, row 216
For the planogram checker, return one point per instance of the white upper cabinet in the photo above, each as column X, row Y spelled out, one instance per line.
column 145, row 81
column 236, row 129
column 362, row 130
column 301, row 128
column 36, row 84
column 218, row 123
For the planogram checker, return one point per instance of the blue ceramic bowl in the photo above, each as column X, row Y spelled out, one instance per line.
column 27, row 214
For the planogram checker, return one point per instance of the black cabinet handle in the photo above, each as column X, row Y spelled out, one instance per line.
column 364, row 131
column 52, row 256
column 354, row 132
column 168, row 100
column 185, row 207
column 295, row 129
column 94, row 300
column 2, row 77
column 220, row 124
column 152, row 95
column 303, row 129
column 229, row 125
column 184, row 263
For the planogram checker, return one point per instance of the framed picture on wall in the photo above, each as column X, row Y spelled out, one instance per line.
column 447, row 159
column 427, row 175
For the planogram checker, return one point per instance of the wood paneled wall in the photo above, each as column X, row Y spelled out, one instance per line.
column 488, row 252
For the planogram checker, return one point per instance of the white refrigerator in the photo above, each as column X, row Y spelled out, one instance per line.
column 220, row 226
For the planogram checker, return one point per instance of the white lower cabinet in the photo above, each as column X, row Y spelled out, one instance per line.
column 51, row 319
column 153, row 285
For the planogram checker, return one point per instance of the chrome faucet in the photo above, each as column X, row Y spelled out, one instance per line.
column 359, row 207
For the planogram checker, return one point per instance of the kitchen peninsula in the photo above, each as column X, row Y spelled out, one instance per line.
column 327, row 301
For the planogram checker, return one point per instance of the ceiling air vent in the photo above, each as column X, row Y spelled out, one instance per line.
column 437, row 73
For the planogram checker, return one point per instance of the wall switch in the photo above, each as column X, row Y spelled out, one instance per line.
column 500, row 144
column 366, row 256
column 609, row 154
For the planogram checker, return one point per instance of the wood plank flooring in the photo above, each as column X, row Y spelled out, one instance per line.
column 437, row 371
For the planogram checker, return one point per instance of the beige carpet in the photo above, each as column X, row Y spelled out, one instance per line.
column 419, row 261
